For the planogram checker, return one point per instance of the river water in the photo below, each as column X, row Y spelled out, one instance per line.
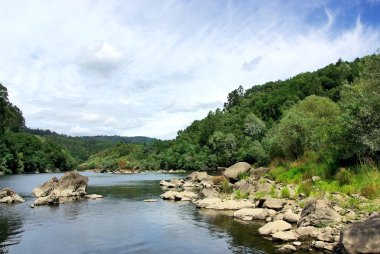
column 120, row 222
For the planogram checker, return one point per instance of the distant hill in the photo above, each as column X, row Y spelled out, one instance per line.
column 82, row 147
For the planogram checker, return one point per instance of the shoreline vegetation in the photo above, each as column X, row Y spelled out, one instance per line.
column 315, row 135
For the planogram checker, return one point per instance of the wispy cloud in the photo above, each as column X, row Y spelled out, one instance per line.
column 152, row 67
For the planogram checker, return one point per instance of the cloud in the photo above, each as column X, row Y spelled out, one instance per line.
column 152, row 67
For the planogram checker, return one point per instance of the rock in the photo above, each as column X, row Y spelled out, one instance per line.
column 307, row 231
column 174, row 183
column 150, row 200
column 297, row 243
column 287, row 248
column 93, row 196
column 326, row 234
column 32, row 206
column 179, row 196
column 315, row 178
column 167, row 184
column 253, row 213
column 351, row 215
column 232, row 173
column 232, row 205
column 204, row 203
column 279, row 216
column 263, row 187
column 256, row 173
column 323, row 245
column 243, row 186
column 274, row 203
column 285, row 236
column 273, row 227
column 361, row 237
column 71, row 186
column 318, row 213
column 9, row 196
column 197, row 176
column 291, row 217
column 208, row 193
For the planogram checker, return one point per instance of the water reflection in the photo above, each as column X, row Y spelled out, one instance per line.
column 10, row 227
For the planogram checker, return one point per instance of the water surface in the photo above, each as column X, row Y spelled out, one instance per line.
column 121, row 222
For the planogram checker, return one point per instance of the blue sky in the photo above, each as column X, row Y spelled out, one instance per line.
column 152, row 67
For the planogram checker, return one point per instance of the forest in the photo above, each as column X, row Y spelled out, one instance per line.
column 323, row 123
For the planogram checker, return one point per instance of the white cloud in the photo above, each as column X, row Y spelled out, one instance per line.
column 91, row 67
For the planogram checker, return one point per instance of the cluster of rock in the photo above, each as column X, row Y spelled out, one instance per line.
column 71, row 186
column 317, row 226
column 10, row 197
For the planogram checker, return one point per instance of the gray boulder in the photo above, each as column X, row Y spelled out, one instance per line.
column 285, row 236
column 197, row 176
column 9, row 196
column 71, row 186
column 232, row 173
column 256, row 173
column 318, row 213
column 274, row 203
column 254, row 213
column 287, row 248
column 361, row 237
column 291, row 217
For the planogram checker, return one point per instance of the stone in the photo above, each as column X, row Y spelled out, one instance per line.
column 232, row 205
column 208, row 193
column 93, row 196
column 287, row 248
column 256, row 173
column 318, row 213
column 274, row 203
column 297, row 243
column 263, row 187
column 326, row 234
column 204, row 203
column 179, row 196
column 71, row 186
column 361, row 237
column 243, row 186
column 273, row 227
column 253, row 213
column 351, row 215
column 315, row 178
column 232, row 173
column 323, row 245
column 285, row 236
column 150, row 200
column 197, row 176
column 9, row 196
column 291, row 217
column 307, row 231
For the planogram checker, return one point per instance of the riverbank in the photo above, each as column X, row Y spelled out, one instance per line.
column 296, row 220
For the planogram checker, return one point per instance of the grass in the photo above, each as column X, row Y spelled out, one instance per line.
column 285, row 193
column 273, row 192
column 238, row 194
column 243, row 176
column 226, row 187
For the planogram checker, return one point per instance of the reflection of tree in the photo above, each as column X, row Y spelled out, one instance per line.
column 244, row 236
column 10, row 227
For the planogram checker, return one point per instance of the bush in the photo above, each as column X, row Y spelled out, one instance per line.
column 370, row 191
column 243, row 175
column 305, row 188
column 343, row 176
column 217, row 180
column 285, row 193
column 226, row 187
column 240, row 195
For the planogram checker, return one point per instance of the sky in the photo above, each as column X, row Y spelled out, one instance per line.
column 150, row 68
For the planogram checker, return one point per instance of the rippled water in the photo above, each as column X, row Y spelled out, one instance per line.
column 121, row 222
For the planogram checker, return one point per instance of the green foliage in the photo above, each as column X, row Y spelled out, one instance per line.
column 285, row 193
column 343, row 176
column 238, row 194
column 242, row 176
column 305, row 188
column 273, row 192
column 226, row 187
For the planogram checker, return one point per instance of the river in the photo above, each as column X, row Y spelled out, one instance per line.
column 120, row 222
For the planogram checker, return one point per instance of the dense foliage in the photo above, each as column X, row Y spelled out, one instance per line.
column 21, row 152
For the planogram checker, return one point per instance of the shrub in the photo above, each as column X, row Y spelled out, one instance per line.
column 240, row 195
column 217, row 180
column 226, row 187
column 305, row 188
column 343, row 176
column 243, row 175
column 285, row 193
column 370, row 191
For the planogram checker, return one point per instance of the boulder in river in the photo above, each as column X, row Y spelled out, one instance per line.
column 318, row 213
column 254, row 213
column 273, row 227
column 232, row 173
column 70, row 186
column 361, row 237
column 9, row 196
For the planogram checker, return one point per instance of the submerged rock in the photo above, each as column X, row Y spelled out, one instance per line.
column 9, row 196
column 71, row 186
column 93, row 196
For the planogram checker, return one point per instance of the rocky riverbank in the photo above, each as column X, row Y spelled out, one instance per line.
column 292, row 221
